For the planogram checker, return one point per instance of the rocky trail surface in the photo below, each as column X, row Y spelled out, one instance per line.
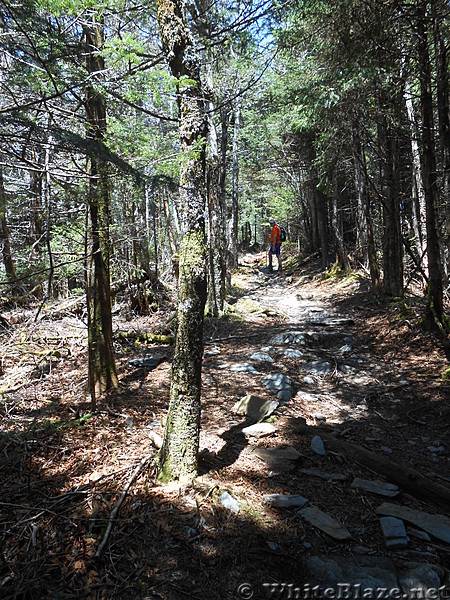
column 323, row 454
column 333, row 428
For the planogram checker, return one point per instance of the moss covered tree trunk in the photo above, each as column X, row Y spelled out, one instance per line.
column 178, row 456
column 102, row 367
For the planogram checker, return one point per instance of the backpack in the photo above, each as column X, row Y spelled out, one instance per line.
column 282, row 233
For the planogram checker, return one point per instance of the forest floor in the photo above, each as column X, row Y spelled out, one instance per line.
column 361, row 370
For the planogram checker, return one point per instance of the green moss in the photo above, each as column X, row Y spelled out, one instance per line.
column 445, row 375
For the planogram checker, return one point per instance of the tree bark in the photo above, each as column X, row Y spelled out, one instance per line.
column 392, row 238
column 418, row 194
column 234, row 225
column 224, row 121
column 217, row 238
column 443, row 103
column 178, row 457
column 435, row 307
column 337, row 225
column 364, row 220
column 4, row 235
column 102, row 367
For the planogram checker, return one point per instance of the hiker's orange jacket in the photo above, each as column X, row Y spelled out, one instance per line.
column 275, row 232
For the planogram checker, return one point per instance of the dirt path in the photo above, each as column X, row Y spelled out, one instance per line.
column 344, row 362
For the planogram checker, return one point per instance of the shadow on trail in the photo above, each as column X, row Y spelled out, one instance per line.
column 235, row 440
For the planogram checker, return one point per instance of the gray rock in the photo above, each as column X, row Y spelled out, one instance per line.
column 261, row 357
column 244, row 368
column 325, row 523
column 361, row 550
column 285, row 501
column 256, row 408
column 335, row 321
column 394, row 533
column 418, row 579
column 436, row 525
column 284, row 396
column 345, row 368
column 419, row 534
column 326, row 476
column 279, row 339
column 341, row 573
column 381, row 488
column 150, row 361
column 259, row 430
column 437, row 449
column 317, row 446
column 290, row 337
column 277, row 381
column 386, row 449
column 290, row 353
column 320, row 417
column 309, row 380
column 346, row 349
column 228, row 502
column 319, row 367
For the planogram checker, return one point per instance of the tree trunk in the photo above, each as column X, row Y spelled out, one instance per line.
column 435, row 307
column 336, row 224
column 418, row 194
column 392, row 238
column 444, row 121
column 102, row 367
column 234, row 226
column 217, row 238
column 4, row 235
column 35, row 236
column 322, row 225
column 178, row 457
column 224, row 120
column 364, row 220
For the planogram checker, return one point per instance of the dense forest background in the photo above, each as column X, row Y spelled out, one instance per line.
column 123, row 123
column 144, row 147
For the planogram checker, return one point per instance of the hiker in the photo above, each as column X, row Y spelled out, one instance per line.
column 275, row 245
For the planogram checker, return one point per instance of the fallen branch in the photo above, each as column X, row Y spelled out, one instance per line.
column 116, row 509
column 403, row 475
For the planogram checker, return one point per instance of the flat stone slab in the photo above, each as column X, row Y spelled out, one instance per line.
column 278, row 459
column 259, row 430
column 436, row 525
column 325, row 523
column 285, row 501
column 381, row 488
column 255, row 408
column 149, row 361
column 317, row 446
column 244, row 368
column 307, row 397
column 343, row 572
column 326, row 476
column 336, row 321
column 290, row 337
column 319, row 367
column 277, row 381
column 394, row 533
column 289, row 353
column 229, row 502
column 261, row 357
